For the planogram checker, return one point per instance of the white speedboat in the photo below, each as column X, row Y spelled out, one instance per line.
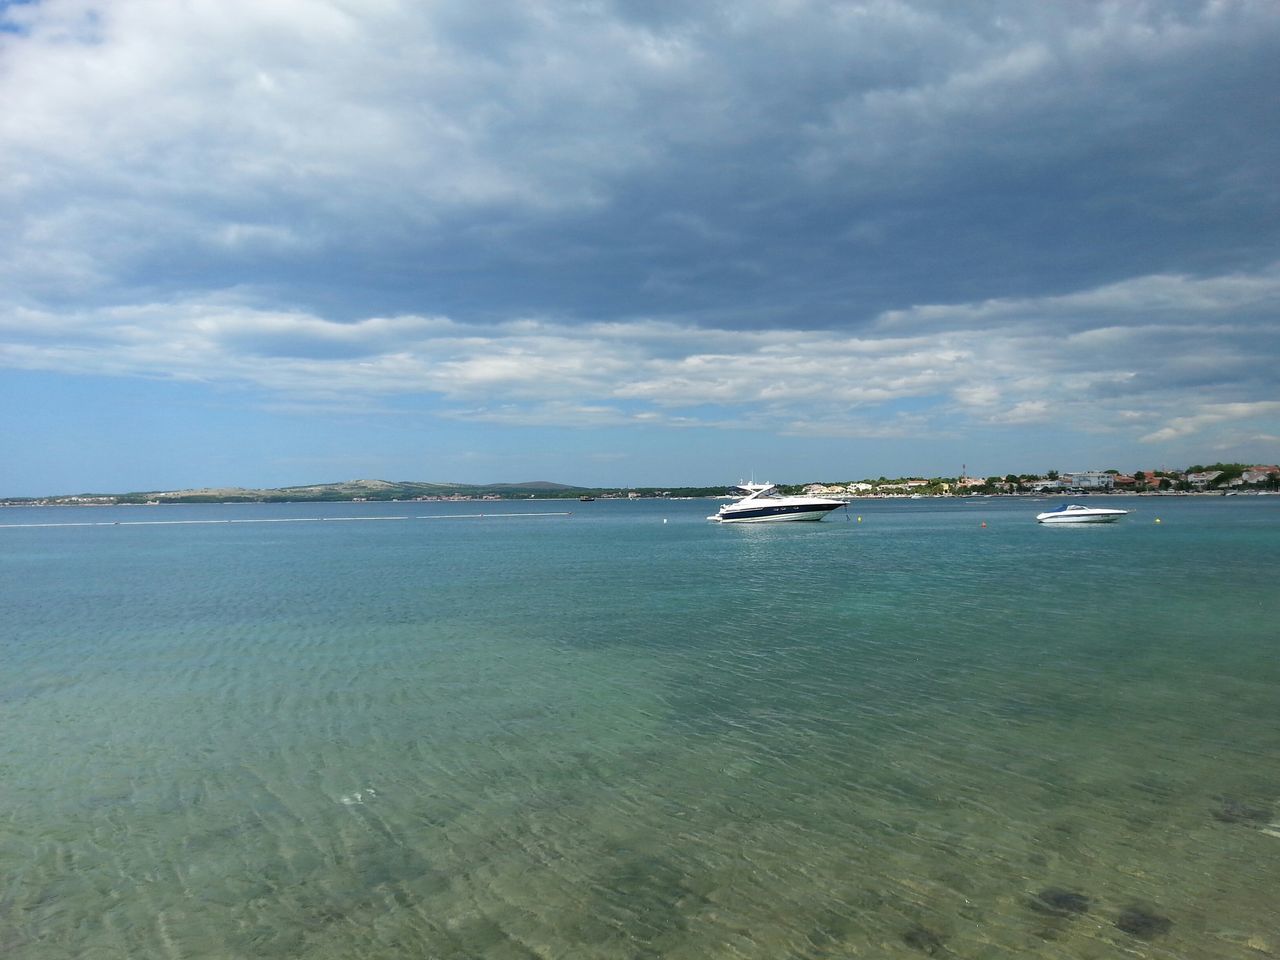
column 1078, row 513
column 763, row 503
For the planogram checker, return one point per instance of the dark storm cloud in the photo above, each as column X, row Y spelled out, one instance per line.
column 810, row 165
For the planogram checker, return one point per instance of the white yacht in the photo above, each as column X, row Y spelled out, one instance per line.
column 762, row 503
column 1077, row 513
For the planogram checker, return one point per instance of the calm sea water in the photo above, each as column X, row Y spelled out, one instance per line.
column 921, row 728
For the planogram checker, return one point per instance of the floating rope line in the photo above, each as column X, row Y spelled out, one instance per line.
column 486, row 516
column 162, row 523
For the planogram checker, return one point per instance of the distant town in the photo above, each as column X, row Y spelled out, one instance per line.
column 1217, row 478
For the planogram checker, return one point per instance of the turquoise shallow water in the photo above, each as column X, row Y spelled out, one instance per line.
column 631, row 733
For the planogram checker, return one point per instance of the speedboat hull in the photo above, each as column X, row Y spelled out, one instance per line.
column 763, row 504
column 773, row 513
column 1076, row 513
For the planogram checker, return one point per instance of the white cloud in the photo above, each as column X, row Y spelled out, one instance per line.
column 1229, row 298
column 1214, row 415
column 142, row 131
column 1025, row 411
column 908, row 380
column 294, row 96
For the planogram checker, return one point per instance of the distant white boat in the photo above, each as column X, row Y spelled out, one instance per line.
column 763, row 503
column 1078, row 513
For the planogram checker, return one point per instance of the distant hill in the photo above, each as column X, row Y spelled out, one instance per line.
column 344, row 490
column 373, row 490
column 534, row 485
column 364, row 490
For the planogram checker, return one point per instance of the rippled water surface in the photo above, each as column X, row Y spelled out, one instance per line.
column 923, row 728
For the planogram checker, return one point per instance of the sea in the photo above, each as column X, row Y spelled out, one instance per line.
column 552, row 729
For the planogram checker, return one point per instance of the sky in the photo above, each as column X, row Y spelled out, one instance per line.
column 626, row 243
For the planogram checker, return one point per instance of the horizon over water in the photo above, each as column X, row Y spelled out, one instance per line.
column 631, row 733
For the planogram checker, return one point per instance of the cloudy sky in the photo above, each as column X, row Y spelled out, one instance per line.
column 634, row 242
